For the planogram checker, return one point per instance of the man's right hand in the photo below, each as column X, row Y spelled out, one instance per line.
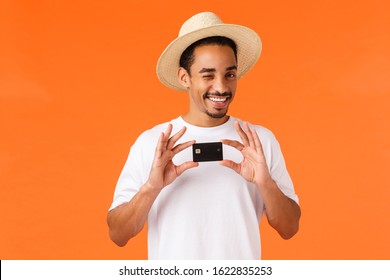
column 128, row 219
column 164, row 171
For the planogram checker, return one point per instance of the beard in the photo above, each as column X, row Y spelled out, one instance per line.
column 217, row 115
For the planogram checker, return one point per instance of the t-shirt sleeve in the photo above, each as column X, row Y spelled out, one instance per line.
column 132, row 176
column 277, row 167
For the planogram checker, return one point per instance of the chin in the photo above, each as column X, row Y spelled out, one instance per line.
column 217, row 115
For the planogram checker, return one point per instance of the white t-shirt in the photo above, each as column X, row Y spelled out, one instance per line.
column 210, row 211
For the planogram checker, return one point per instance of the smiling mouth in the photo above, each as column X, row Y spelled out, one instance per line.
column 217, row 99
column 219, row 102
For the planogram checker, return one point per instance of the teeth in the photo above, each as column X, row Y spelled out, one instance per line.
column 217, row 99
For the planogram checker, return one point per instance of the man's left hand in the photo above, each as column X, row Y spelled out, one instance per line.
column 253, row 167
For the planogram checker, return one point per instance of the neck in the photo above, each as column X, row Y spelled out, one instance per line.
column 204, row 120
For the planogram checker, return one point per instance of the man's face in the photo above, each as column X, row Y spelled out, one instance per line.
column 213, row 80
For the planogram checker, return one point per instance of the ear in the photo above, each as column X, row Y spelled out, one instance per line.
column 183, row 77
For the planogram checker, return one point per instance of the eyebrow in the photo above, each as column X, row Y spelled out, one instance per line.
column 234, row 67
column 207, row 70
column 211, row 70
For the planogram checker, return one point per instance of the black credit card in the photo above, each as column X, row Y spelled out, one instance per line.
column 207, row 151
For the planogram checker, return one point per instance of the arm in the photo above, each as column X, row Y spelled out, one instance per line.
column 128, row 219
column 283, row 213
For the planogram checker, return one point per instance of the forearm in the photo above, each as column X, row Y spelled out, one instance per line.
column 283, row 213
column 128, row 219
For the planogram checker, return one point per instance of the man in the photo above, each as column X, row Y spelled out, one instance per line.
column 206, row 210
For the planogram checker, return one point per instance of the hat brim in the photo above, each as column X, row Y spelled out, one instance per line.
column 248, row 51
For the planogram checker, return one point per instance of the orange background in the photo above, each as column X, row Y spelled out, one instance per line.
column 78, row 85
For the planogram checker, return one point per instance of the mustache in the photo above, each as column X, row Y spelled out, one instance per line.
column 224, row 94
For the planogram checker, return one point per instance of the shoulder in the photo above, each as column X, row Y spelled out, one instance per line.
column 264, row 133
column 151, row 135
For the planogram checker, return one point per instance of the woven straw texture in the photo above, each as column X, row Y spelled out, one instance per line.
column 204, row 25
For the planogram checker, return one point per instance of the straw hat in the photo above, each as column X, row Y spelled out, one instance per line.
column 204, row 25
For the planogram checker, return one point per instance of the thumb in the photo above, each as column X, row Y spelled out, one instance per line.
column 231, row 164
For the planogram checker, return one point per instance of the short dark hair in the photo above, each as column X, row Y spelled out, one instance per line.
column 187, row 57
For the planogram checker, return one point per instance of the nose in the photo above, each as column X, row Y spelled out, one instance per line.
column 220, row 85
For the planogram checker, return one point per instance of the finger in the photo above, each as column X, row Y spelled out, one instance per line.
column 185, row 166
column 180, row 147
column 165, row 139
column 259, row 146
column 233, row 143
column 159, row 146
column 241, row 133
column 248, row 132
column 172, row 141
column 231, row 164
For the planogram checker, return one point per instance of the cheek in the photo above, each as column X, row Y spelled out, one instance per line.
column 233, row 86
column 200, row 90
column 196, row 95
